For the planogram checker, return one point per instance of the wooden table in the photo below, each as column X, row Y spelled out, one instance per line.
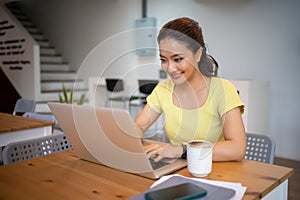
column 15, row 128
column 64, row 176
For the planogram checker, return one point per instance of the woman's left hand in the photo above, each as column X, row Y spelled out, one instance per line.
column 163, row 150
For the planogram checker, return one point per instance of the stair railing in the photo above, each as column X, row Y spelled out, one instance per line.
column 19, row 56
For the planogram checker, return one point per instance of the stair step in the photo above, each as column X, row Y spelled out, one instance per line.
column 51, row 58
column 54, row 96
column 54, row 67
column 60, row 91
column 32, row 29
column 30, row 26
column 44, row 43
column 57, row 86
column 16, row 12
column 42, row 107
column 58, row 75
column 49, row 51
column 21, row 17
column 37, row 36
column 26, row 23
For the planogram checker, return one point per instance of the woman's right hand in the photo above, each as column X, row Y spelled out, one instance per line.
column 163, row 150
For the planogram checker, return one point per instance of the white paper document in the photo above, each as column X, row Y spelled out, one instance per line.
column 237, row 187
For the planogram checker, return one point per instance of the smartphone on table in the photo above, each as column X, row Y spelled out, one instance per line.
column 184, row 191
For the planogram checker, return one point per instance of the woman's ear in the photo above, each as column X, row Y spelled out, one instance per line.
column 198, row 54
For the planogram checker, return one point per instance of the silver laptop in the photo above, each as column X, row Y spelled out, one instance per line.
column 109, row 137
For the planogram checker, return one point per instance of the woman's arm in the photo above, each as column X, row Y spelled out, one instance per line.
column 146, row 118
column 234, row 146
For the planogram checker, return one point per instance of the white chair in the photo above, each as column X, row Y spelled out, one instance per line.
column 24, row 105
column 260, row 148
column 47, row 117
column 28, row 149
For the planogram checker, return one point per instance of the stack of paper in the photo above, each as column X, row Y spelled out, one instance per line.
column 217, row 190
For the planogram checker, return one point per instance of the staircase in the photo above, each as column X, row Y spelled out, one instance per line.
column 55, row 70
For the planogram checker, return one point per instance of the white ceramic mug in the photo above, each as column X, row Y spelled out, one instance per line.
column 199, row 157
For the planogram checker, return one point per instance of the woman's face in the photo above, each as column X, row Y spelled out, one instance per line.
column 178, row 61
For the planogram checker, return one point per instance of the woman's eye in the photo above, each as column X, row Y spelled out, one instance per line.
column 162, row 60
column 178, row 60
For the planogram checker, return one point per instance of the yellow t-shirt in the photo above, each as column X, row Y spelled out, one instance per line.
column 204, row 123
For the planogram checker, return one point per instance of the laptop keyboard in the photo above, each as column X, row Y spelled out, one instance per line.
column 157, row 165
column 163, row 162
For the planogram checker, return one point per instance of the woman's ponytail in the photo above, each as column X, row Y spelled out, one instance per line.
column 208, row 66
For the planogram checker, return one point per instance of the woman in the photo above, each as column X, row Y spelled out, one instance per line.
column 195, row 103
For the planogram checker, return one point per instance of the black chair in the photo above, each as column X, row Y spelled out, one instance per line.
column 116, row 92
column 146, row 86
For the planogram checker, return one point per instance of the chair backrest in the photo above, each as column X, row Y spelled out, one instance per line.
column 27, row 149
column 260, row 148
column 24, row 105
column 114, row 85
column 46, row 117
column 147, row 86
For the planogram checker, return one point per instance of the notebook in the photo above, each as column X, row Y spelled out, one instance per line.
column 109, row 137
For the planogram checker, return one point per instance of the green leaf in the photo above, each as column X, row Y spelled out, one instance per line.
column 81, row 100
column 65, row 94
column 71, row 95
column 60, row 99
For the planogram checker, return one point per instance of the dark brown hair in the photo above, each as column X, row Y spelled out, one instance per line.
column 189, row 32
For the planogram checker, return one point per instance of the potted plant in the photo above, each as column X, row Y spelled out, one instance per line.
column 69, row 98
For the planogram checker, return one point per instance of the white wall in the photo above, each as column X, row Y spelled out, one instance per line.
column 76, row 27
column 251, row 39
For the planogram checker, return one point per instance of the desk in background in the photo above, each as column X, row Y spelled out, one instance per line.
column 65, row 176
column 15, row 128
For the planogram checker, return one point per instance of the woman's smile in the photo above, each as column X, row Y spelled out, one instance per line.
column 178, row 61
column 176, row 75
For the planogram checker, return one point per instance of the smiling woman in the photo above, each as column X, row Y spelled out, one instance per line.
column 188, row 32
column 195, row 103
